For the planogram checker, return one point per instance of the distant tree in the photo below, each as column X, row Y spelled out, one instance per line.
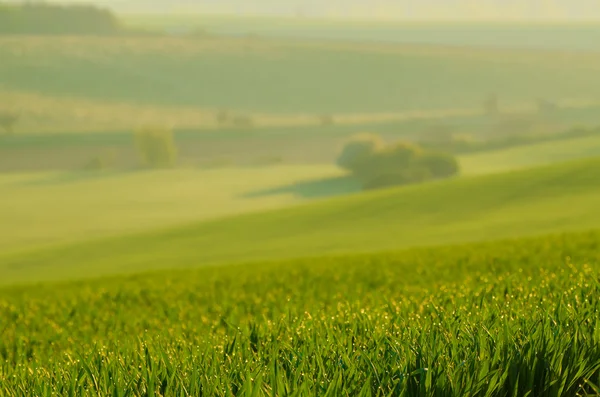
column 377, row 165
column 358, row 151
column 440, row 165
column 156, row 147
column 42, row 18
column 399, row 155
column 8, row 120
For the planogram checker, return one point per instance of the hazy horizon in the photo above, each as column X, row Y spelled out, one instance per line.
column 448, row 10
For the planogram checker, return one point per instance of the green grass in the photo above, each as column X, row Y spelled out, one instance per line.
column 53, row 207
column 56, row 207
column 319, row 308
column 529, row 155
column 543, row 200
column 497, row 319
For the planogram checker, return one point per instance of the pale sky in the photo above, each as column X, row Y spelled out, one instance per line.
column 388, row 9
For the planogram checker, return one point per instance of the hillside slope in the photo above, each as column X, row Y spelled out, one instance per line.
column 327, row 326
column 543, row 200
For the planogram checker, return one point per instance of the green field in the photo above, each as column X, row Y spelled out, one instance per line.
column 512, row 318
column 56, row 207
column 105, row 80
column 550, row 199
column 532, row 155
column 254, row 265
column 112, row 202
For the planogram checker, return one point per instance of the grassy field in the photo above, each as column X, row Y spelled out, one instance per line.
column 526, row 156
column 113, row 202
column 276, row 78
column 56, row 207
column 543, row 200
column 269, row 274
column 509, row 318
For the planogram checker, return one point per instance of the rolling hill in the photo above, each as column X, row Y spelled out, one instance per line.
column 287, row 77
column 542, row 200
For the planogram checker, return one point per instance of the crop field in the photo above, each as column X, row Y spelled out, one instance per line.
column 98, row 81
column 508, row 318
column 221, row 251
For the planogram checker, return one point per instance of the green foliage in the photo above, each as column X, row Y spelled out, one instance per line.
column 439, row 165
column 378, row 166
column 41, row 18
column 498, row 319
column 359, row 150
column 156, row 147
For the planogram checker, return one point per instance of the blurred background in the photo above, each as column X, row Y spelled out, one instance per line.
column 123, row 116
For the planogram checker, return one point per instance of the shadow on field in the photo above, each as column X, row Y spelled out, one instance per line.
column 312, row 189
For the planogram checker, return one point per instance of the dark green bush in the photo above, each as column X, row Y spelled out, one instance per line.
column 358, row 151
column 41, row 18
column 398, row 155
column 377, row 166
column 156, row 147
column 439, row 165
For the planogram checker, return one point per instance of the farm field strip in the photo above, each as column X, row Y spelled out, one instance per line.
column 60, row 114
column 282, row 77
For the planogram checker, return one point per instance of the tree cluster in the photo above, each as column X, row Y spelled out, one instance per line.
column 377, row 165
column 156, row 147
column 41, row 18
